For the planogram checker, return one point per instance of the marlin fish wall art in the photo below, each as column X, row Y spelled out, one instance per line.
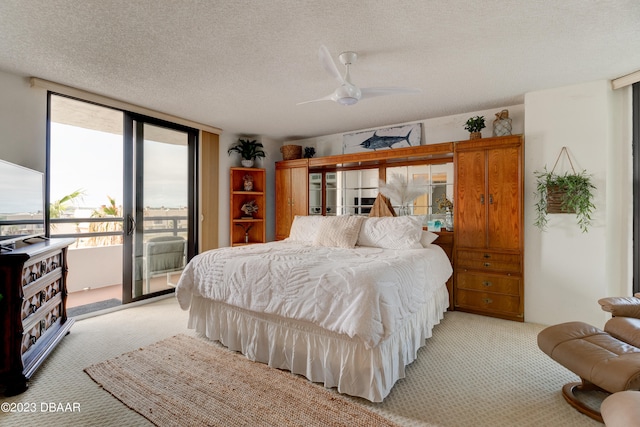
column 383, row 139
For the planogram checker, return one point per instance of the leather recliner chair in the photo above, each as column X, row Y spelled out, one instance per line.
column 606, row 360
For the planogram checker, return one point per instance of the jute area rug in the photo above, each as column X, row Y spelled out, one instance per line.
column 185, row 381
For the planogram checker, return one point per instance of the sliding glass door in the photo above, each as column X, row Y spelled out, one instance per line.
column 159, row 205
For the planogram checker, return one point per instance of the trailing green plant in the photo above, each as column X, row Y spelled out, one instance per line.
column 248, row 149
column 576, row 190
column 475, row 124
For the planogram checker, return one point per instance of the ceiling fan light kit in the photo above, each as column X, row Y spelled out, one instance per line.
column 348, row 93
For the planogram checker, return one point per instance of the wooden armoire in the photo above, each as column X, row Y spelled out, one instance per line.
column 488, row 224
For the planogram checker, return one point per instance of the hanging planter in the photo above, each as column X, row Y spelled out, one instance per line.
column 568, row 193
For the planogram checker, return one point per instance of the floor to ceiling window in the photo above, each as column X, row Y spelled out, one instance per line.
column 122, row 185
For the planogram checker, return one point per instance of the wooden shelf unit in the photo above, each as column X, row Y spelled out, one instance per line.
column 238, row 197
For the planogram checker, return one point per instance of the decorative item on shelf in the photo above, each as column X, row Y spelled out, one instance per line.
column 445, row 204
column 248, row 182
column 291, row 152
column 403, row 192
column 249, row 209
column 309, row 152
column 569, row 192
column 502, row 124
column 249, row 150
column 474, row 125
column 246, row 229
column 382, row 207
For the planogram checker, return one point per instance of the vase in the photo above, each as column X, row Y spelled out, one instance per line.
column 404, row 210
column 475, row 135
column 246, row 237
column 502, row 124
column 247, row 163
column 448, row 220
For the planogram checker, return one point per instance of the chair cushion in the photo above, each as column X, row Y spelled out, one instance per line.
column 625, row 329
column 593, row 354
column 621, row 306
column 621, row 409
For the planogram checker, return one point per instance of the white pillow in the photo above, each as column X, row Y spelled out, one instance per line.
column 305, row 228
column 339, row 231
column 427, row 238
column 388, row 232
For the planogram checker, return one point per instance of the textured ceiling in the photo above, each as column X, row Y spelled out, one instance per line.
column 243, row 65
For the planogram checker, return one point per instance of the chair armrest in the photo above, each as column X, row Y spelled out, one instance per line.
column 621, row 306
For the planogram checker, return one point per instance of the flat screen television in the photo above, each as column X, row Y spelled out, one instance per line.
column 21, row 203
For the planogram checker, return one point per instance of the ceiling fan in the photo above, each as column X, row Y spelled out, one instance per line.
column 348, row 93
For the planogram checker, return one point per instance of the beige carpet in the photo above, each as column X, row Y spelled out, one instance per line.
column 183, row 381
column 474, row 371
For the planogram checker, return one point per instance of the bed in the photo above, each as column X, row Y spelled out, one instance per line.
column 344, row 301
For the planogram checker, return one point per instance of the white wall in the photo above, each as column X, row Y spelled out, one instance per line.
column 568, row 271
column 94, row 267
column 23, row 122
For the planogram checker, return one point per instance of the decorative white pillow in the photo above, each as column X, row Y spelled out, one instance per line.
column 427, row 238
column 401, row 232
column 339, row 231
column 305, row 228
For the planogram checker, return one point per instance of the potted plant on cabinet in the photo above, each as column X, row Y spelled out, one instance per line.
column 566, row 193
column 249, row 150
column 474, row 125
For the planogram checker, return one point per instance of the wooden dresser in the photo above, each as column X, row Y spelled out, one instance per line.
column 488, row 261
column 33, row 308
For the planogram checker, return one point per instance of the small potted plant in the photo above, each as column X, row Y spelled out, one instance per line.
column 309, row 152
column 249, row 150
column 474, row 125
column 566, row 193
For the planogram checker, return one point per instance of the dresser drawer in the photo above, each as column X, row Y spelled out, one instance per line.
column 487, row 260
column 39, row 267
column 488, row 283
column 487, row 301
column 38, row 293
column 37, row 324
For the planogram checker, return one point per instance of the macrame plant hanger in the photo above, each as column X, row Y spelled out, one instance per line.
column 555, row 194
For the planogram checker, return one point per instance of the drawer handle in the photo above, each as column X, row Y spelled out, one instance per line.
column 487, row 255
column 33, row 277
column 43, row 326
column 43, row 267
column 487, row 264
column 43, row 296
column 33, row 340
column 33, row 308
column 487, row 284
column 487, row 300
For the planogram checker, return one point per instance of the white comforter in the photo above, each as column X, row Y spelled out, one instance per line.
column 363, row 292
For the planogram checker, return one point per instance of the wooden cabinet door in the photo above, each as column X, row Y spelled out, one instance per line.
column 283, row 203
column 292, row 189
column 504, row 198
column 299, row 193
column 470, row 206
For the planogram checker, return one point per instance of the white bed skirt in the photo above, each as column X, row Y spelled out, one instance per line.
column 332, row 359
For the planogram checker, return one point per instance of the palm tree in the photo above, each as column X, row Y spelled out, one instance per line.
column 110, row 210
column 57, row 208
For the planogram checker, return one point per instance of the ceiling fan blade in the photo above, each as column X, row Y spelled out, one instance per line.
column 370, row 92
column 324, row 98
column 328, row 64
